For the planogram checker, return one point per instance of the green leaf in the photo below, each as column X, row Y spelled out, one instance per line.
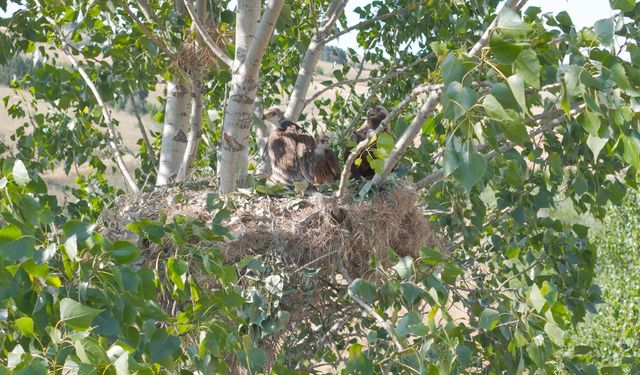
column 564, row 19
column 452, row 70
column 604, row 31
column 253, row 361
column 364, row 290
column 410, row 293
column 431, row 256
column 91, row 352
column 514, row 129
column 162, row 346
column 80, row 229
column 20, row 174
column 451, row 161
column 528, row 67
column 537, row 299
column 25, row 325
column 450, row 272
column 411, row 324
column 358, row 363
column 471, row 169
column 29, row 366
column 404, row 267
column 623, row 5
column 572, row 81
column 596, row 144
column 377, row 165
column 122, row 364
column 489, row 319
column 634, row 51
column 632, row 149
column 76, row 315
column 385, row 141
column 556, row 334
column 620, row 76
column 590, row 122
column 511, row 25
column 71, row 247
column 274, row 284
column 516, row 83
column 505, row 52
column 123, row 252
column 176, row 268
column 457, row 100
column 13, row 245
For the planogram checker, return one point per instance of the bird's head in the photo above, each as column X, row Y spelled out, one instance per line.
column 376, row 114
column 323, row 142
column 274, row 115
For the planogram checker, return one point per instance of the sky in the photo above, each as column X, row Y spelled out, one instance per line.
column 582, row 12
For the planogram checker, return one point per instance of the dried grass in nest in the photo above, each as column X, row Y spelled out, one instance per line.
column 328, row 234
column 195, row 54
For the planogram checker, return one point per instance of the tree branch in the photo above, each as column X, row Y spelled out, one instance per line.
column 311, row 58
column 196, row 126
column 484, row 39
column 427, row 108
column 382, row 17
column 112, row 134
column 228, row 61
column 371, row 311
column 143, row 132
column 346, row 170
column 145, row 30
column 408, row 136
column 384, row 78
column 145, row 8
column 439, row 174
column 263, row 35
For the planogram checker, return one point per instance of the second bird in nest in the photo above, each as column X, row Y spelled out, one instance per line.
column 363, row 169
column 327, row 168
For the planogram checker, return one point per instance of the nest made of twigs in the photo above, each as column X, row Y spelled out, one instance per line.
column 323, row 232
column 194, row 54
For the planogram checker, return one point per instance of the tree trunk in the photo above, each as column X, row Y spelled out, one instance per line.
column 263, row 166
column 195, row 119
column 174, row 132
column 251, row 42
column 311, row 57
column 191, row 150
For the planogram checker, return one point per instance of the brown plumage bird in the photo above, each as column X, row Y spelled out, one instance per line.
column 291, row 150
column 375, row 116
column 327, row 167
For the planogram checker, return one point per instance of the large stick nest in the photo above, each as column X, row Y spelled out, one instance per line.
column 322, row 232
column 314, row 231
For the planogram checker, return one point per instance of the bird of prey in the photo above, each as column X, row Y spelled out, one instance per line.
column 363, row 169
column 291, row 150
column 327, row 167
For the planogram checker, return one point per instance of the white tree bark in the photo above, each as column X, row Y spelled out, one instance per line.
column 197, row 84
column 193, row 140
column 311, row 57
column 174, row 132
column 251, row 42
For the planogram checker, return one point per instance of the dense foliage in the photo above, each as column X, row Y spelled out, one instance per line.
column 542, row 110
column 611, row 337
